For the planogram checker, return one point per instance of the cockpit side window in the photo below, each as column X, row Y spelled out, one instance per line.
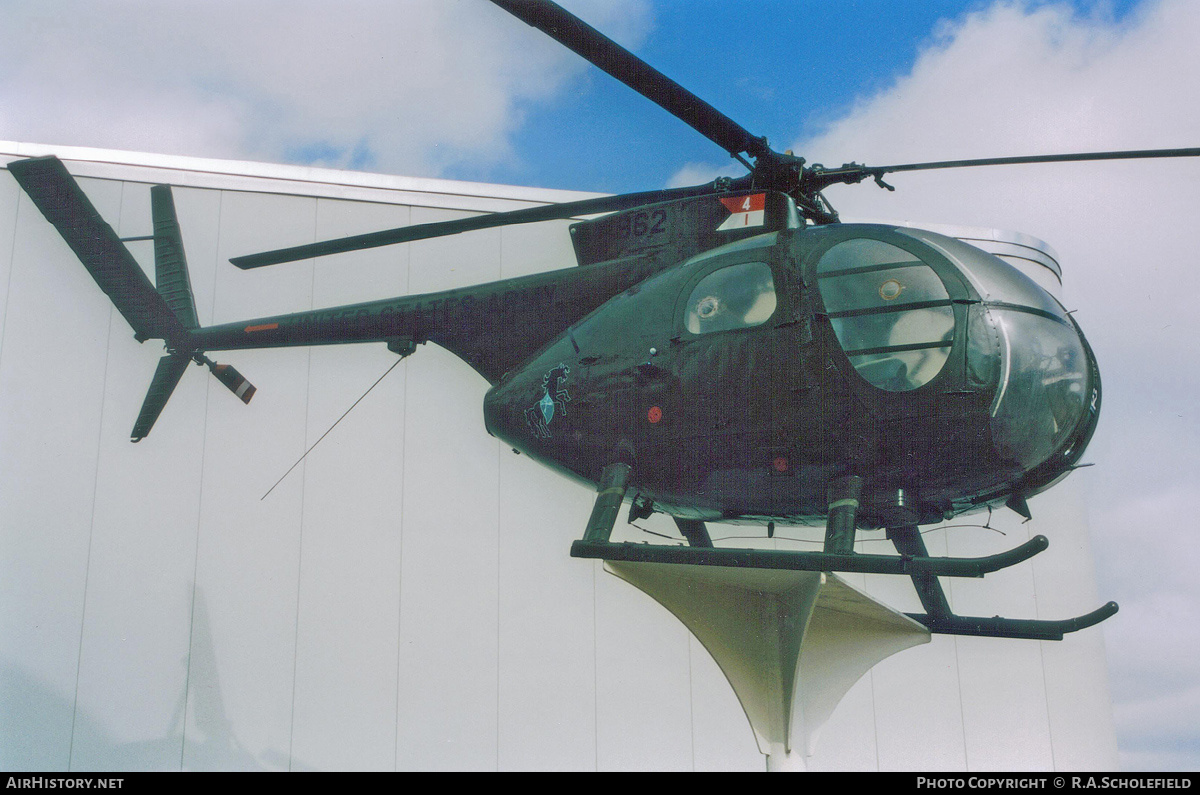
column 890, row 311
column 737, row 296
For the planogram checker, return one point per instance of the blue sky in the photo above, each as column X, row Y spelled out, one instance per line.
column 455, row 88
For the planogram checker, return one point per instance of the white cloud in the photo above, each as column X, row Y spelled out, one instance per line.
column 408, row 87
column 700, row 173
column 1014, row 80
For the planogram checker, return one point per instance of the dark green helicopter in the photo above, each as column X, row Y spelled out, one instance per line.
column 725, row 352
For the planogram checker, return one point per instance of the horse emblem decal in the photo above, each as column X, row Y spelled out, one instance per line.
column 553, row 403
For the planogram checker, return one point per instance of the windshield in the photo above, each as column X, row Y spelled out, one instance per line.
column 893, row 316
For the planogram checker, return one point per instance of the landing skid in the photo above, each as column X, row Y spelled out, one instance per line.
column 1024, row 628
column 939, row 622
column 912, row 561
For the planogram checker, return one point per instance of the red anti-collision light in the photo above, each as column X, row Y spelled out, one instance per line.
column 654, row 414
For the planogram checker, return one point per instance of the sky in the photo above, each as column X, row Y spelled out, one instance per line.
column 457, row 89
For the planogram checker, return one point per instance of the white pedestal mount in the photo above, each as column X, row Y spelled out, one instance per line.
column 791, row 643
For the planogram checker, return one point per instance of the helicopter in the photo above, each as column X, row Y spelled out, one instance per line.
column 723, row 352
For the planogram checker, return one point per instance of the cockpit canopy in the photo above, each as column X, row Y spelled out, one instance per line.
column 917, row 310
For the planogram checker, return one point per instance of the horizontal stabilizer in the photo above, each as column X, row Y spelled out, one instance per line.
column 170, row 370
column 56, row 193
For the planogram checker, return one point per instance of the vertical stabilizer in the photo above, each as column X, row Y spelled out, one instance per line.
column 170, row 263
column 170, row 370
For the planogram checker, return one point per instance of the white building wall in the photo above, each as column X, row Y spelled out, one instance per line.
column 404, row 599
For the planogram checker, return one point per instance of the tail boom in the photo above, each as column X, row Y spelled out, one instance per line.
column 492, row 327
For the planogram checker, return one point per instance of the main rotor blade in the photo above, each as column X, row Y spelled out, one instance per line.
column 1135, row 154
column 575, row 34
column 853, row 172
column 406, row 234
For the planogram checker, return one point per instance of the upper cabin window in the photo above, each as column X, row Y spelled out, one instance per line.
column 890, row 312
column 737, row 296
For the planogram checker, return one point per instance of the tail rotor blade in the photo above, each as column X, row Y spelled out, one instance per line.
column 234, row 381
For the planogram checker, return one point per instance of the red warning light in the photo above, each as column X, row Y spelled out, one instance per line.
column 654, row 414
column 780, row 464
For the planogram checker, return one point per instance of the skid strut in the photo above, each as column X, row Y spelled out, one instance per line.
column 614, row 482
column 907, row 541
column 695, row 531
column 843, row 514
